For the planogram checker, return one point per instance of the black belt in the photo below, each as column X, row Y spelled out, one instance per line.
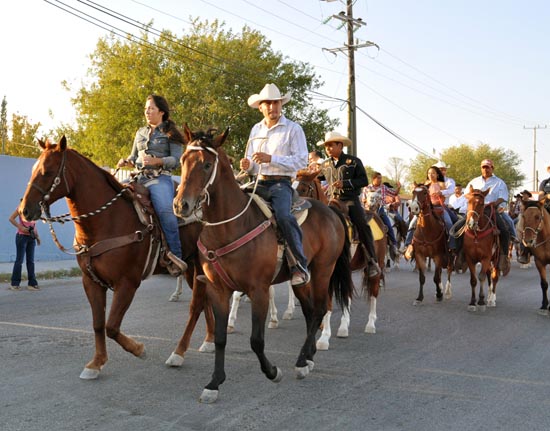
column 274, row 177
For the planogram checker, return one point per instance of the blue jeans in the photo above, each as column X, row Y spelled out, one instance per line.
column 25, row 246
column 509, row 222
column 161, row 190
column 387, row 222
column 279, row 193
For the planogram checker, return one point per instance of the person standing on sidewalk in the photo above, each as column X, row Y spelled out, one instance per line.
column 26, row 239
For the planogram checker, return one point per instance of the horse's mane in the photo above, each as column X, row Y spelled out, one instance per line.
column 109, row 178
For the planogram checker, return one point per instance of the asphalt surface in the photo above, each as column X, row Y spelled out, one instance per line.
column 430, row 367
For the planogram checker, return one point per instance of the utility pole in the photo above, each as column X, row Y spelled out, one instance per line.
column 352, row 25
column 534, row 128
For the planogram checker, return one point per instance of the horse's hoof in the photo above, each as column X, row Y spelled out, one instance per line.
column 209, row 396
column 342, row 333
column 301, row 372
column 142, row 354
column 278, row 377
column 310, row 365
column 288, row 315
column 491, row 304
column 273, row 324
column 174, row 360
column 543, row 312
column 89, row 374
column 322, row 344
column 174, row 298
column 370, row 330
column 472, row 308
column 230, row 329
column 417, row 302
column 482, row 308
column 207, row 347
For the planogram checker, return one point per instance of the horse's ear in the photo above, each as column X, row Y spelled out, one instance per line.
column 42, row 144
column 485, row 193
column 220, row 139
column 187, row 133
column 471, row 189
column 62, row 144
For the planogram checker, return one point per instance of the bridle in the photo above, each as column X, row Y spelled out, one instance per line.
column 535, row 231
column 205, row 195
column 56, row 181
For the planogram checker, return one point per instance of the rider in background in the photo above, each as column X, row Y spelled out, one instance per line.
column 277, row 149
column 458, row 201
column 449, row 189
column 346, row 176
column 156, row 152
column 382, row 193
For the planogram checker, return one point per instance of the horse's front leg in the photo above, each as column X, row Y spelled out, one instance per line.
column 123, row 295
column 421, row 265
column 175, row 297
column 492, row 277
column 97, row 297
column 482, row 277
column 260, row 302
column 218, row 296
column 437, row 280
column 473, row 283
column 541, row 267
column 198, row 304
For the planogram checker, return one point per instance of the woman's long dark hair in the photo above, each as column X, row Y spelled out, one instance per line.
column 167, row 127
column 440, row 176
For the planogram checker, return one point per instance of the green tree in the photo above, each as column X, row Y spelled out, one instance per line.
column 206, row 76
column 23, row 138
column 464, row 161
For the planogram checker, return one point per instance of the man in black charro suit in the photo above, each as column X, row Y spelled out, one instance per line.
column 346, row 176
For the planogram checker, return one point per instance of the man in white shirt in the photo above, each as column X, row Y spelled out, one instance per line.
column 458, row 201
column 276, row 150
column 498, row 193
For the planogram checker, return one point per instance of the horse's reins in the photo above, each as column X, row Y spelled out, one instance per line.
column 473, row 230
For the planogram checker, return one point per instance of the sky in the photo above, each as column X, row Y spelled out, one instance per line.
column 446, row 73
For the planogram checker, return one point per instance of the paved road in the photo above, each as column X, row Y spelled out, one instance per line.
column 430, row 367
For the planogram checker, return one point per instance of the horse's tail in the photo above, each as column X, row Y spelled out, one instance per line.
column 341, row 283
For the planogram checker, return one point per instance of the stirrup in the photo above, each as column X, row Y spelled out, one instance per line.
column 176, row 267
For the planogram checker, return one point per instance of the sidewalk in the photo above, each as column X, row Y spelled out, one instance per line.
column 42, row 266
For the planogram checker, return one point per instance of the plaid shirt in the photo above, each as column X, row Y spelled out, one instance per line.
column 387, row 194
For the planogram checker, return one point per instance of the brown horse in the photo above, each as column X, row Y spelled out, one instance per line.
column 239, row 252
column 113, row 244
column 481, row 244
column 535, row 235
column 310, row 186
column 429, row 240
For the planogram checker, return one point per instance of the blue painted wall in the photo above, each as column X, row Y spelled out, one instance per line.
column 15, row 173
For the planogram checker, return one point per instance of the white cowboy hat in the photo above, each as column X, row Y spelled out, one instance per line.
column 269, row 92
column 442, row 165
column 335, row 137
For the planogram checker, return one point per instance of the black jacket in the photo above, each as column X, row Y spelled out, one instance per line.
column 350, row 170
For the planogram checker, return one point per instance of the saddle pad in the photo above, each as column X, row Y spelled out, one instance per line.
column 376, row 231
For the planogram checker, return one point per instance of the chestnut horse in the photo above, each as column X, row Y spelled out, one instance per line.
column 429, row 240
column 239, row 252
column 535, row 235
column 113, row 244
column 481, row 244
column 310, row 186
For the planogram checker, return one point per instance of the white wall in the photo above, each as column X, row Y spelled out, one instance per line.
column 15, row 173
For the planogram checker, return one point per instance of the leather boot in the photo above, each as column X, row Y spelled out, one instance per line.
column 176, row 266
column 523, row 256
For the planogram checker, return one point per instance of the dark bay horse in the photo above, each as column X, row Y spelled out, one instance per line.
column 481, row 245
column 310, row 186
column 239, row 252
column 429, row 240
column 535, row 234
column 113, row 244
